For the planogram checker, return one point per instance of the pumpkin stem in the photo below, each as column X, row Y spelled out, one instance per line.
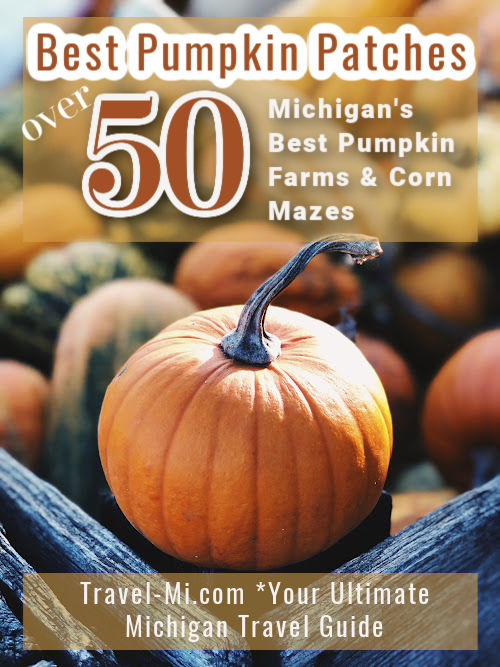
column 250, row 343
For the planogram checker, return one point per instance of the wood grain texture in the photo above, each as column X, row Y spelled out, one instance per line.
column 462, row 536
column 11, row 635
column 12, row 568
column 60, row 537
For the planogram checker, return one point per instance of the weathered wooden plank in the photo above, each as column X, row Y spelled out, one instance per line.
column 60, row 537
column 12, row 568
column 462, row 536
column 11, row 635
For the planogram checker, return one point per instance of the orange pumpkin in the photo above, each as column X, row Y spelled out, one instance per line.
column 347, row 8
column 465, row 8
column 441, row 296
column 462, row 407
column 246, row 231
column 487, row 15
column 50, row 212
column 215, row 272
column 231, row 444
column 398, row 381
column 23, row 400
column 410, row 507
column 462, row 294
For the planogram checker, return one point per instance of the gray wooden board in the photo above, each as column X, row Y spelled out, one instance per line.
column 55, row 535
column 461, row 536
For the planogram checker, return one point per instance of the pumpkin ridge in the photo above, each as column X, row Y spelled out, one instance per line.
column 360, row 431
column 175, row 428
column 295, row 455
column 159, row 397
column 210, row 328
column 186, row 336
column 308, row 402
column 256, row 468
column 293, row 539
column 151, row 406
column 345, row 405
column 130, row 450
column 145, row 350
column 146, row 375
column 388, row 427
column 105, row 459
column 167, row 448
column 388, row 424
column 210, row 467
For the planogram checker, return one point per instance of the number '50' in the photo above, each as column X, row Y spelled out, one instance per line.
column 169, row 166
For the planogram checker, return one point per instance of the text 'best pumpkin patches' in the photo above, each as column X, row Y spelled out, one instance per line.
column 234, row 443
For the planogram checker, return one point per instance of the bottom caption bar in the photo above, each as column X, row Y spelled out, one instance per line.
column 250, row 611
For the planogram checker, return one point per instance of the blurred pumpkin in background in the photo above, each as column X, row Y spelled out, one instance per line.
column 489, row 173
column 215, row 272
column 450, row 283
column 440, row 8
column 439, row 101
column 23, row 401
column 252, row 231
column 444, row 213
column 489, row 48
column 487, row 12
column 11, row 118
column 462, row 409
column 100, row 332
column 10, row 180
column 31, row 312
column 57, row 210
column 399, row 385
column 409, row 507
column 347, row 8
column 440, row 297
